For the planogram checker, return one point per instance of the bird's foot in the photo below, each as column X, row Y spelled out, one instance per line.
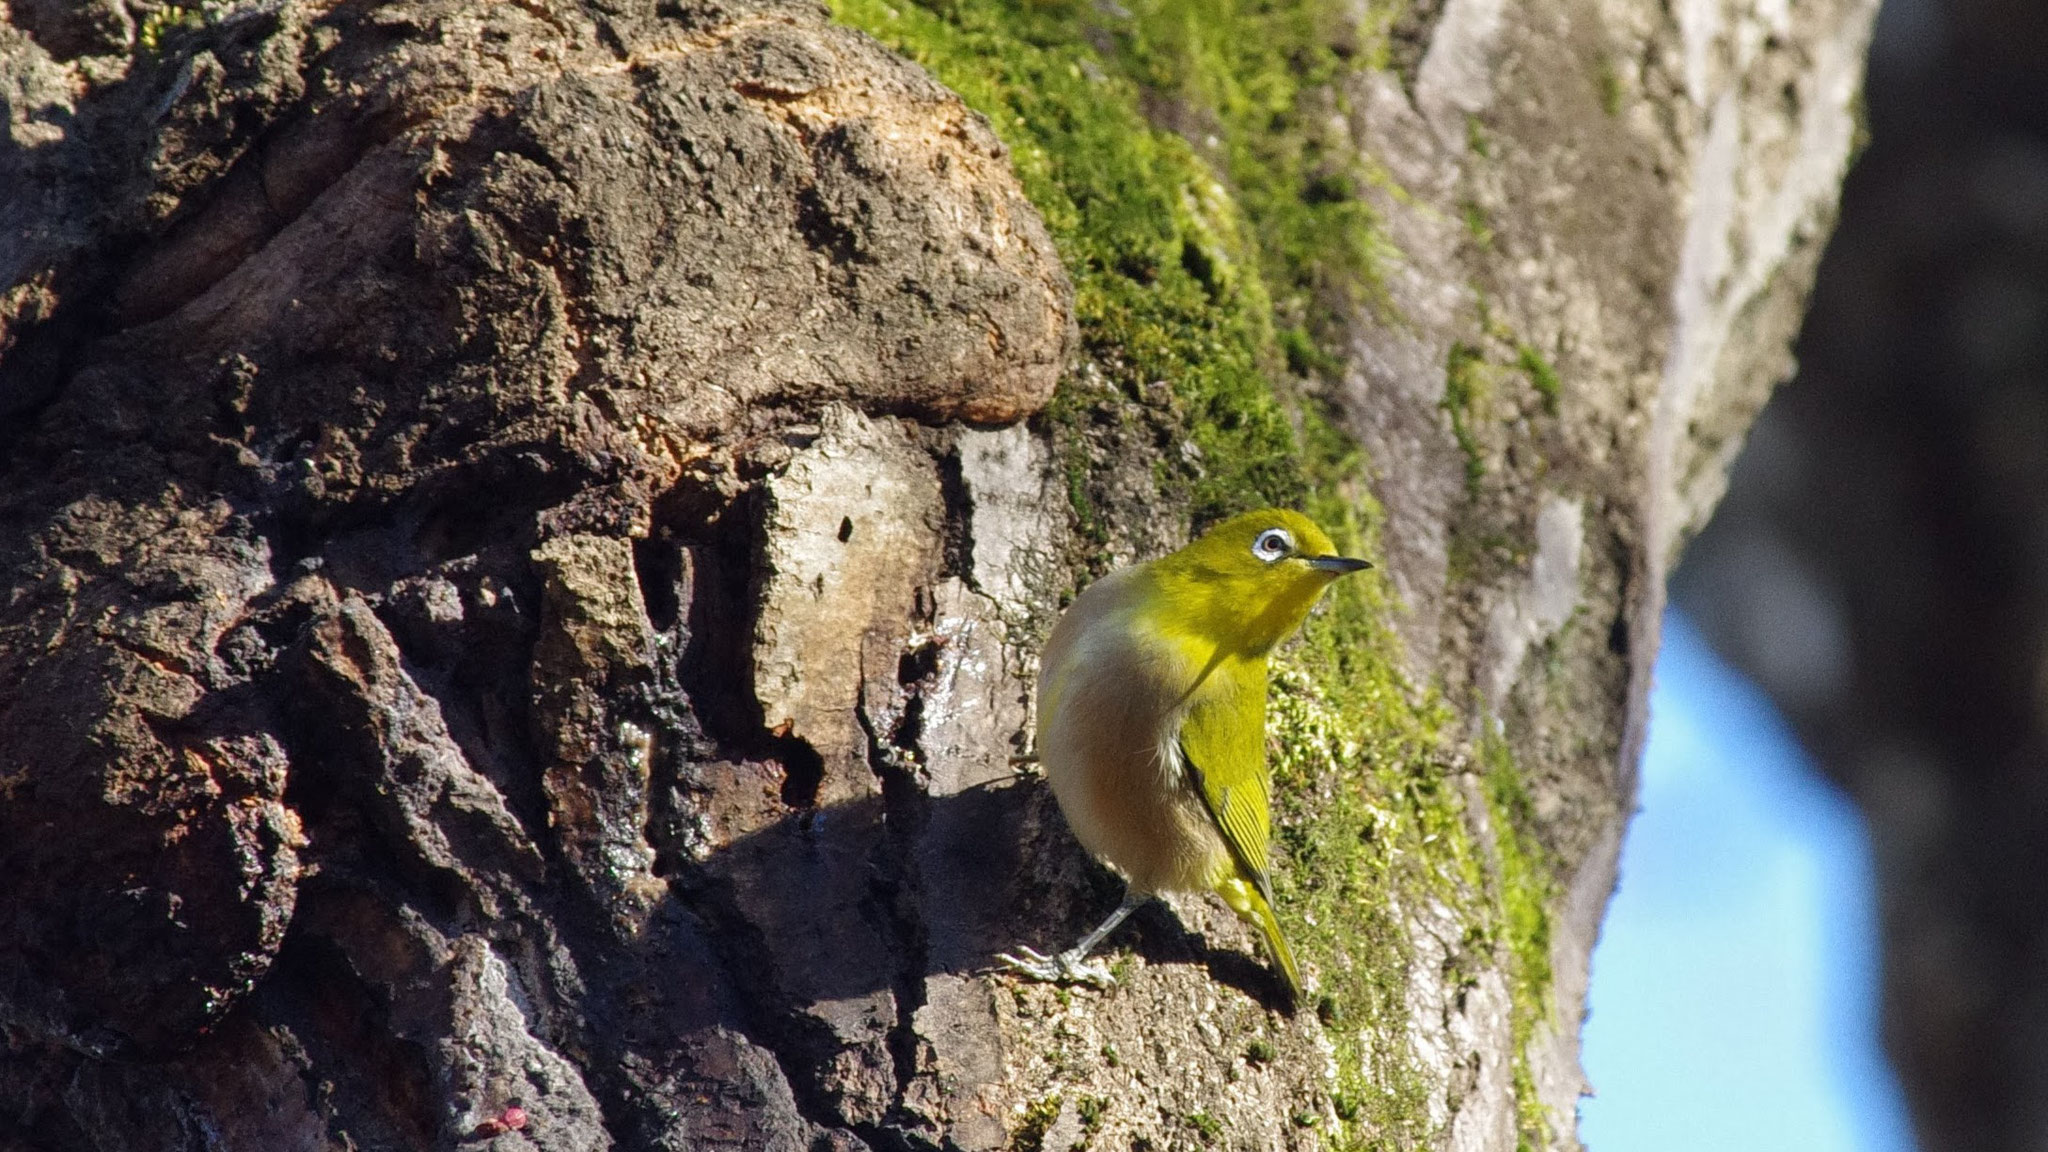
column 1068, row 967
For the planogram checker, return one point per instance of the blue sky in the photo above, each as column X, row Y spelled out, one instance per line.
column 1734, row 990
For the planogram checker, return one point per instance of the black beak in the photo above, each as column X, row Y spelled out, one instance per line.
column 1338, row 564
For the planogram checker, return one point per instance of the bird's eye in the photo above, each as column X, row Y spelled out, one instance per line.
column 1272, row 544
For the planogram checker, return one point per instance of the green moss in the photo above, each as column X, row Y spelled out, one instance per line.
column 1091, row 1110
column 1029, row 1134
column 1542, row 376
column 1305, row 355
column 1477, row 556
column 1476, row 138
column 1205, row 1126
column 1476, row 224
column 1609, row 82
column 1265, row 73
column 1470, row 383
column 1167, row 282
column 1526, row 889
column 1465, row 395
column 1086, row 520
column 1188, row 261
column 1366, row 812
column 160, row 23
column 1122, row 967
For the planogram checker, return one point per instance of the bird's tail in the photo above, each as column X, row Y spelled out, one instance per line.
column 1248, row 902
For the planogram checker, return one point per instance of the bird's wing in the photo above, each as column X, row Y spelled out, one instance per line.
column 1223, row 751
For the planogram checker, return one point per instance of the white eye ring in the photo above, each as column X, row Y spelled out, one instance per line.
column 1272, row 544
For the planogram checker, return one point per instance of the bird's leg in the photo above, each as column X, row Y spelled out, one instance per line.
column 1073, row 965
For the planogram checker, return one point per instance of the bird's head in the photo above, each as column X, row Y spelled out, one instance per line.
column 1251, row 580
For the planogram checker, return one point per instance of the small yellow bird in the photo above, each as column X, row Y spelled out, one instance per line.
column 1152, row 720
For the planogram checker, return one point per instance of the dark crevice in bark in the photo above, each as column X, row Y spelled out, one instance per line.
column 822, row 229
column 956, row 554
column 475, row 674
column 380, row 1081
column 282, row 169
column 802, row 1046
column 906, row 810
column 40, row 356
column 662, row 568
column 718, row 655
column 803, row 770
column 699, row 579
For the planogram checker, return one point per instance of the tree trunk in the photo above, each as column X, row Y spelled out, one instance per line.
column 526, row 529
column 1879, row 566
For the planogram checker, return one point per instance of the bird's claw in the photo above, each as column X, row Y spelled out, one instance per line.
column 1065, row 968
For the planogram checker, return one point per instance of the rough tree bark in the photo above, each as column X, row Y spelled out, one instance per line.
column 526, row 526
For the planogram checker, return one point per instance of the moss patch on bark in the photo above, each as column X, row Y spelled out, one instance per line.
column 1167, row 281
column 1190, row 161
